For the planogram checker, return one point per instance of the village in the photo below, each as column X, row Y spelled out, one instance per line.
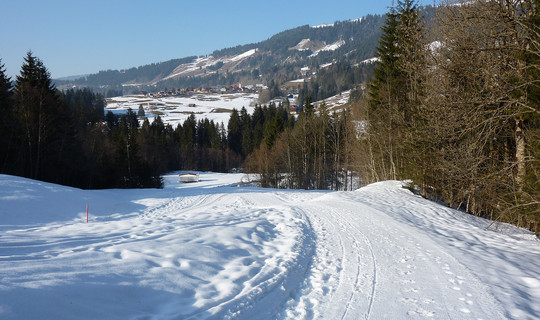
column 187, row 92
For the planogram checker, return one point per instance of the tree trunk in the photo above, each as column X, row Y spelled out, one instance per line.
column 520, row 152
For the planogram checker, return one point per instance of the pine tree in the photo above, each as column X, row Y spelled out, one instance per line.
column 412, row 53
column 40, row 113
column 395, row 93
column 140, row 112
column 383, row 114
column 7, row 128
column 188, row 142
column 6, row 88
column 234, row 133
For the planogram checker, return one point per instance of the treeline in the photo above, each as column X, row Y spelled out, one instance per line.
column 61, row 137
column 65, row 138
column 315, row 153
column 460, row 117
column 142, row 74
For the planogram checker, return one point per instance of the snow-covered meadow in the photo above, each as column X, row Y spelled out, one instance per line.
column 175, row 110
column 222, row 249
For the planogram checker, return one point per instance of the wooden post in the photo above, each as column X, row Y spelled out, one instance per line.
column 86, row 213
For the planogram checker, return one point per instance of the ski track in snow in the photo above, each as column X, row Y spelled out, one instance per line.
column 213, row 250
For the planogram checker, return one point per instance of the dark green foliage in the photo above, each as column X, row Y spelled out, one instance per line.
column 64, row 137
column 6, row 88
column 334, row 79
column 140, row 112
column 395, row 91
column 140, row 74
column 7, row 125
column 42, row 118
column 234, row 132
column 85, row 104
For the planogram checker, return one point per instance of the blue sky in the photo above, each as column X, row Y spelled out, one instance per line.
column 75, row 37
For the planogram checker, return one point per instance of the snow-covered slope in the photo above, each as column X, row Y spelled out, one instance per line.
column 220, row 250
column 200, row 66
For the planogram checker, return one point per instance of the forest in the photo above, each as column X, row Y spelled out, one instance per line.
column 65, row 137
column 459, row 118
column 451, row 106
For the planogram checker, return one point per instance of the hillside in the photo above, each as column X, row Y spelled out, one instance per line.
column 288, row 55
column 219, row 250
column 334, row 57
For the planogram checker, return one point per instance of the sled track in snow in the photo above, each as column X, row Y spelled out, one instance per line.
column 366, row 240
column 373, row 289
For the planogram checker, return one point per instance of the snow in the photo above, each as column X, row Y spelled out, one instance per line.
column 371, row 60
column 333, row 46
column 330, row 47
column 435, row 46
column 199, row 66
column 244, row 55
column 298, row 80
column 175, row 110
column 303, row 45
column 223, row 249
column 323, row 26
column 335, row 102
column 326, row 65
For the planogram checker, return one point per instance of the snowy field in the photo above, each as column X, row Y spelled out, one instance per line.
column 175, row 110
column 218, row 249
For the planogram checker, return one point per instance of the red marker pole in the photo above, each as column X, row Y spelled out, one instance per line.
column 86, row 213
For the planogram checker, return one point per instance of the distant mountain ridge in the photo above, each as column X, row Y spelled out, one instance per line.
column 292, row 54
column 251, row 62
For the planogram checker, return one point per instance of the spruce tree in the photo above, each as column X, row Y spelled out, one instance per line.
column 140, row 112
column 395, row 93
column 383, row 115
column 7, row 128
column 413, row 66
column 42, row 117
column 234, row 132
column 6, row 89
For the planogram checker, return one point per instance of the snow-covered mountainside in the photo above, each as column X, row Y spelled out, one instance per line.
column 202, row 66
column 221, row 249
column 282, row 55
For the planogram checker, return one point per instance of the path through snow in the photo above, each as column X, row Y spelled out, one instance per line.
column 213, row 250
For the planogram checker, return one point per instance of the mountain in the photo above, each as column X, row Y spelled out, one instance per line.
column 297, row 53
column 71, row 78
column 285, row 56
